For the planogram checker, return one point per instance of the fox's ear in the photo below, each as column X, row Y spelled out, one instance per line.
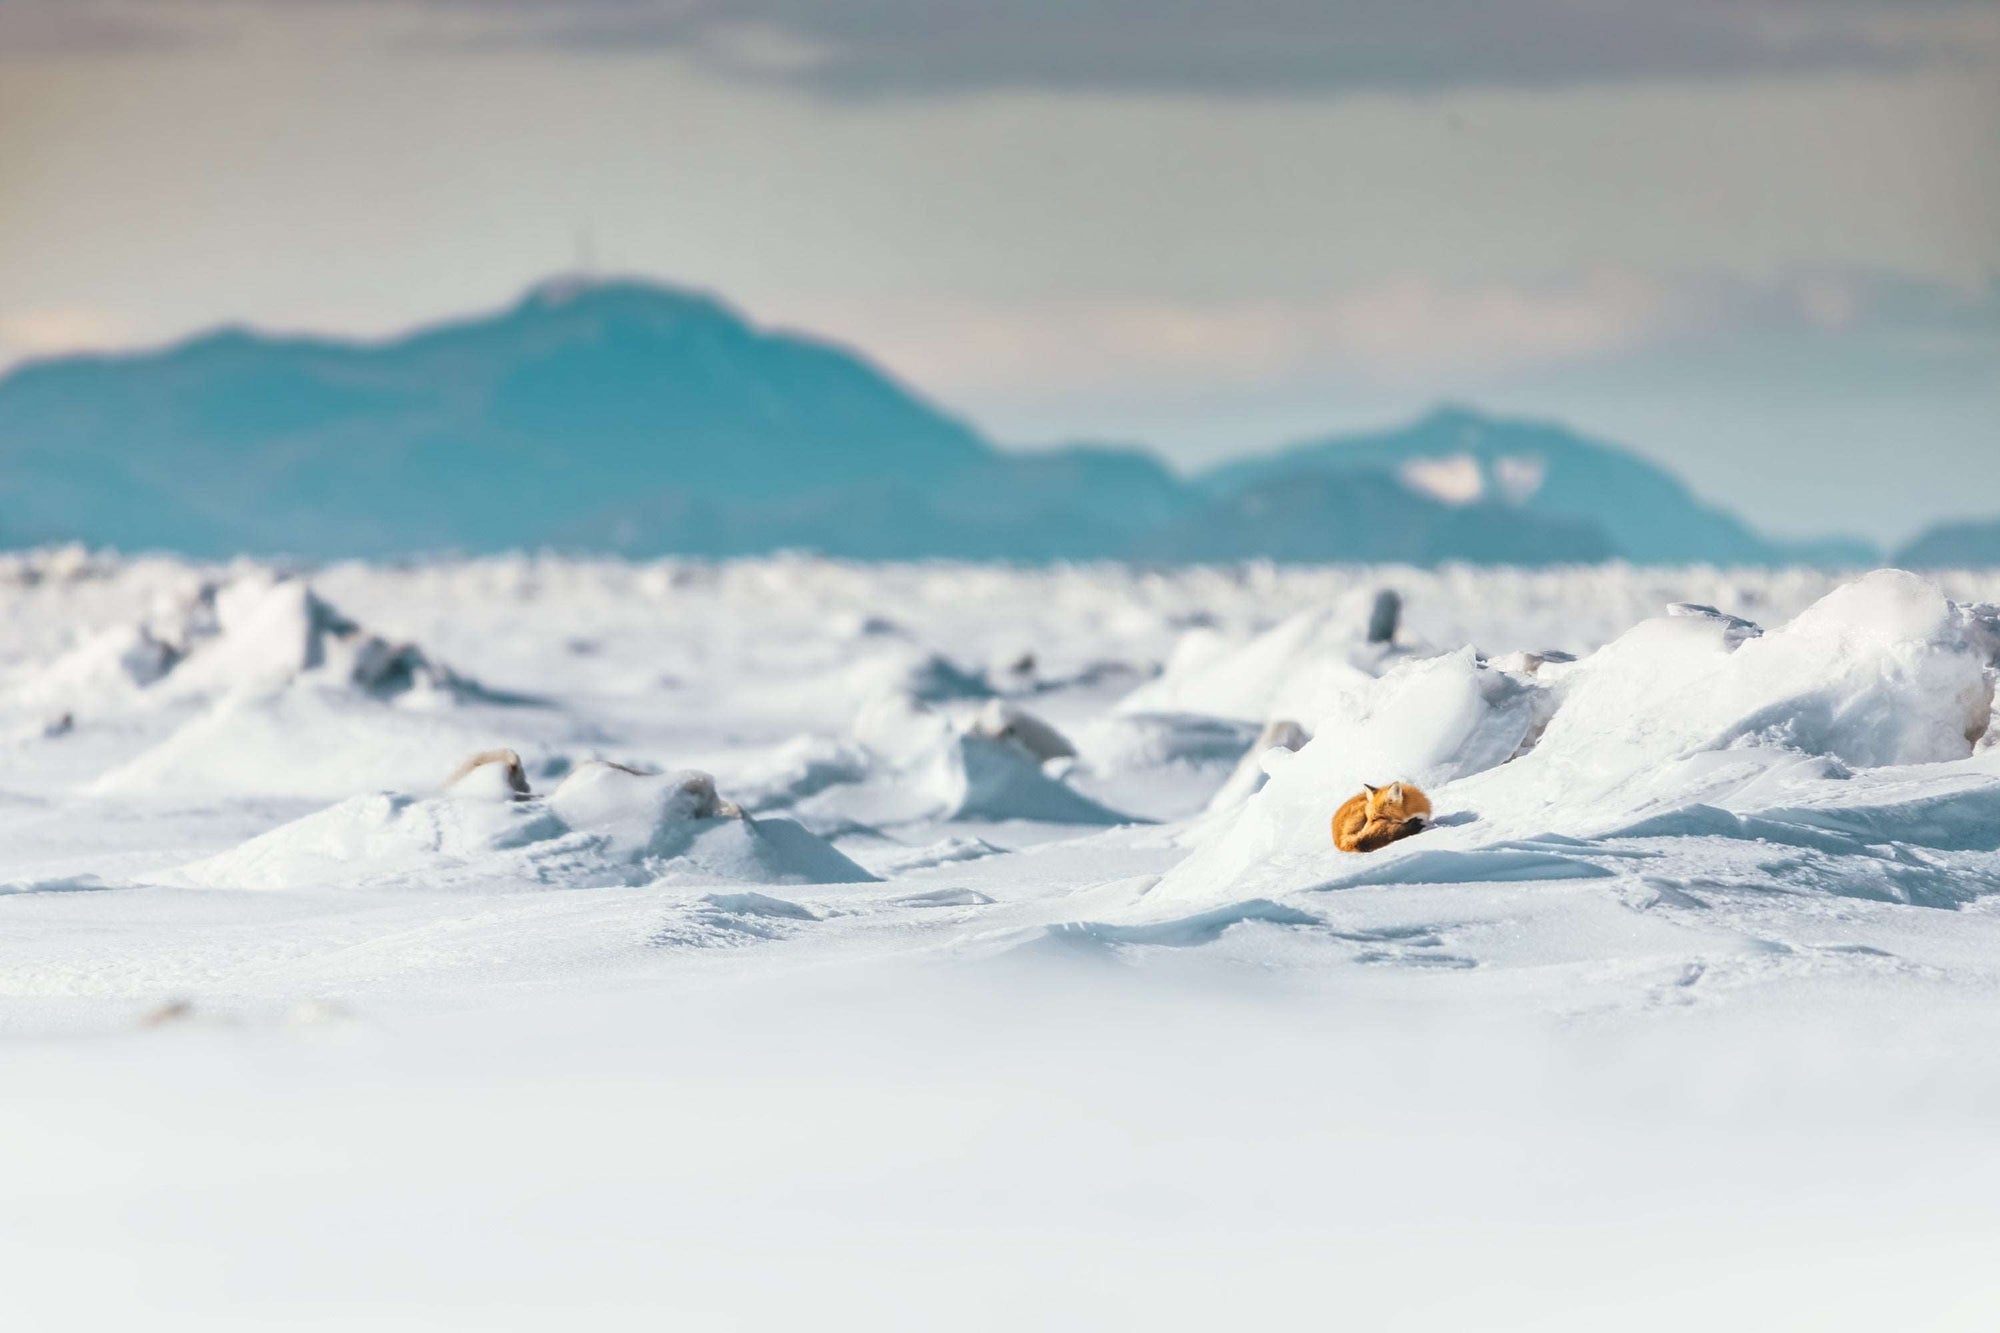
column 1395, row 791
column 1370, row 790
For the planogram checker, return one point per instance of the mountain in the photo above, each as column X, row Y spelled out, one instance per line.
column 646, row 419
column 1971, row 544
column 1079, row 502
column 1321, row 515
column 1609, row 498
column 492, row 432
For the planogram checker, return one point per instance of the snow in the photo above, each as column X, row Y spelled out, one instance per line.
column 834, row 967
column 1681, row 712
column 603, row 824
column 1297, row 669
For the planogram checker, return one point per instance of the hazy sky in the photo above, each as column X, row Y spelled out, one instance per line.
column 1758, row 239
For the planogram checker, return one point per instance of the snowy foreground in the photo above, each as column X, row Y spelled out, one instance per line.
column 962, row 947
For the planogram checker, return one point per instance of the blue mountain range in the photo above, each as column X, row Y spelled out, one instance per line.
column 639, row 418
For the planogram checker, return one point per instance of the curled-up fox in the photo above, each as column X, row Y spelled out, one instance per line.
column 1377, row 816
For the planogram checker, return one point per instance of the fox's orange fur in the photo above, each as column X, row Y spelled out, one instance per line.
column 1374, row 817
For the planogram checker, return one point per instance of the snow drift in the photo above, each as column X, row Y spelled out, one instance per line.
column 603, row 825
column 990, row 762
column 271, row 634
column 255, row 635
column 1683, row 713
column 296, row 700
column 1299, row 669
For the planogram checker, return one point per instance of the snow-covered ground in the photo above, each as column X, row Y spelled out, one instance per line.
column 964, row 947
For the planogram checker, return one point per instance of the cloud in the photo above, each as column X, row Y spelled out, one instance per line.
column 1295, row 46
column 1407, row 335
column 35, row 28
column 865, row 48
column 54, row 330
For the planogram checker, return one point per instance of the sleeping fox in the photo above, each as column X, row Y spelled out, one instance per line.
column 1378, row 816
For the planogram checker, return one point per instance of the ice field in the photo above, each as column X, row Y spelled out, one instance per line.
column 964, row 947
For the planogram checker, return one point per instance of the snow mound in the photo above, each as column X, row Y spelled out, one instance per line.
column 114, row 664
column 297, row 700
column 604, row 825
column 1138, row 742
column 1683, row 712
column 898, row 729
column 1428, row 721
column 1298, row 669
column 924, row 676
column 377, row 836
column 309, row 742
column 676, row 825
column 1011, row 725
column 270, row 633
column 977, row 777
column 1883, row 670
column 988, row 766
column 257, row 635
column 1275, row 744
column 800, row 768
column 924, row 764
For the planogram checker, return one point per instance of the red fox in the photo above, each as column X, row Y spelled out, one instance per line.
column 1377, row 816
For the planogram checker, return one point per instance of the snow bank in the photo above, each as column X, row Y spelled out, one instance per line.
column 1299, row 669
column 297, row 699
column 1275, row 744
column 911, row 673
column 1881, row 671
column 1010, row 725
column 377, row 836
column 1428, row 722
column 1138, row 742
column 254, row 636
column 1692, row 709
column 314, row 743
column 270, row 633
column 991, row 763
column 604, row 825
column 114, row 664
column 977, row 777
column 802, row 767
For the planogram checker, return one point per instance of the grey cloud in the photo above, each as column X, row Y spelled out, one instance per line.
column 1264, row 46
column 1248, row 47
column 31, row 28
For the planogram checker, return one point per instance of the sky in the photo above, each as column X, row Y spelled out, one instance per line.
column 1758, row 240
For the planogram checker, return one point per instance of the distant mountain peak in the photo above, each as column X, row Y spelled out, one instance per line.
column 595, row 294
column 1450, row 415
column 1463, row 459
column 559, row 290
